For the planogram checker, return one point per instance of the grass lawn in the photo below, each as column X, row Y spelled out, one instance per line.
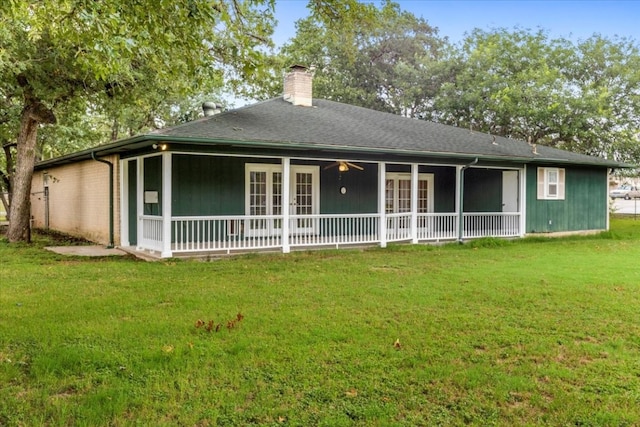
column 529, row 332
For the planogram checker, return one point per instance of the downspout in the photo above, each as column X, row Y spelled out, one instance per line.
column 461, row 204
column 93, row 156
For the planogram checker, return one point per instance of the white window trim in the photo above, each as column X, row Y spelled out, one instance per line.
column 269, row 169
column 395, row 176
column 273, row 226
column 544, row 184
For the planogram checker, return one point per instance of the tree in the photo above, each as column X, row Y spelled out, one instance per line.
column 384, row 59
column 64, row 56
column 581, row 97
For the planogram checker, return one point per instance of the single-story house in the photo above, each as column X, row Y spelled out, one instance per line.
column 296, row 172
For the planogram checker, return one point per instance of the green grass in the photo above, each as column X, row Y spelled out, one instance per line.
column 530, row 332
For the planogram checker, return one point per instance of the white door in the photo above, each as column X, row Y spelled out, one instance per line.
column 304, row 191
column 398, row 200
column 263, row 194
column 510, row 191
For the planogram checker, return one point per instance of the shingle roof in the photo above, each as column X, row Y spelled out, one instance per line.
column 330, row 124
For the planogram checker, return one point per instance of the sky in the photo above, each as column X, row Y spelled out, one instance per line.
column 575, row 20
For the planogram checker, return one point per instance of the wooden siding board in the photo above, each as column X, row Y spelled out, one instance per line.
column 444, row 187
column 214, row 185
column 483, row 190
column 361, row 195
column 207, row 185
column 153, row 182
column 584, row 207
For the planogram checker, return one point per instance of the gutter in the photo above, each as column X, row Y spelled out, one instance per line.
column 93, row 156
column 461, row 203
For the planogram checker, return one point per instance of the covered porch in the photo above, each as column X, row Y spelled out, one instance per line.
column 191, row 204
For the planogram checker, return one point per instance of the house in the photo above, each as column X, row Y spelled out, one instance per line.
column 296, row 172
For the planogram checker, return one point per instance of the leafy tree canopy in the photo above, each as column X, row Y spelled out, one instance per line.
column 583, row 96
column 382, row 58
column 73, row 56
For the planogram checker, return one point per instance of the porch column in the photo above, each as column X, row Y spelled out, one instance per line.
column 166, row 205
column 607, row 214
column 460, row 198
column 124, row 202
column 414, row 203
column 286, row 205
column 140, row 202
column 458, row 194
column 382, row 183
column 523, row 200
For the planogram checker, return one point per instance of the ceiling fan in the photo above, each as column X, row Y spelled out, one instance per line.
column 343, row 166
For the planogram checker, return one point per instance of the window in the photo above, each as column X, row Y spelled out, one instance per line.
column 551, row 183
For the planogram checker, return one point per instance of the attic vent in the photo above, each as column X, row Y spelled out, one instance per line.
column 298, row 86
column 210, row 108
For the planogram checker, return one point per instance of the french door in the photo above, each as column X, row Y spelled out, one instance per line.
column 304, row 198
column 398, row 200
column 263, row 193
column 263, row 197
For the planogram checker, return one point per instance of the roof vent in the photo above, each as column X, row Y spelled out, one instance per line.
column 210, row 108
column 298, row 87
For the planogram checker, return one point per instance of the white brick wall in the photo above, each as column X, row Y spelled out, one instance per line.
column 78, row 199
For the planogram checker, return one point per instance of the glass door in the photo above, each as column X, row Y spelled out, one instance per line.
column 263, row 199
column 398, row 200
column 304, row 190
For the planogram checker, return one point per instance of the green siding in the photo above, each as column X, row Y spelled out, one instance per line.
column 482, row 190
column 153, row 182
column 207, row 185
column 362, row 190
column 584, row 207
column 212, row 185
column 444, row 187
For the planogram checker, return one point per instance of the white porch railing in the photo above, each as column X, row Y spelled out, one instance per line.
column 244, row 233
column 438, row 226
column 323, row 230
column 398, row 227
column 225, row 233
column 492, row 224
column 151, row 233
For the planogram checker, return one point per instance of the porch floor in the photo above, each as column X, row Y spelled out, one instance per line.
column 149, row 255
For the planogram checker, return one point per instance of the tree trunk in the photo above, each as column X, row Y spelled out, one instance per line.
column 6, row 178
column 33, row 114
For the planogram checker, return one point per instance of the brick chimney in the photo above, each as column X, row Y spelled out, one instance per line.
column 298, row 86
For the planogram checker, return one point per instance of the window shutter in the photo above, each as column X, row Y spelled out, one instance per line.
column 561, row 184
column 540, row 183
